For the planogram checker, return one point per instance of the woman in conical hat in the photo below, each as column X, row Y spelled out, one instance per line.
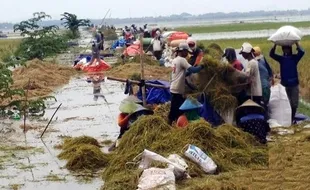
column 250, row 118
column 191, row 108
column 131, row 109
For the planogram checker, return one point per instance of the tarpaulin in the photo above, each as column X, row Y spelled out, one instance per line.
column 156, row 95
column 208, row 112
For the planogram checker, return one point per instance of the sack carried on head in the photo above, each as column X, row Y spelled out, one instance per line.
column 286, row 36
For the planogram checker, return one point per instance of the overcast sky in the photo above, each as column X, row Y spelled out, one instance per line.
column 17, row 10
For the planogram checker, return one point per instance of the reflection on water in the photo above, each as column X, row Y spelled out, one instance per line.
column 79, row 115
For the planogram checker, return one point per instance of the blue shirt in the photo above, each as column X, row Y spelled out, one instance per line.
column 288, row 67
column 265, row 72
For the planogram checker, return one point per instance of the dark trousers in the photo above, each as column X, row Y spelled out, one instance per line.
column 122, row 131
column 293, row 96
column 241, row 97
column 265, row 100
column 157, row 54
column 176, row 102
column 256, row 99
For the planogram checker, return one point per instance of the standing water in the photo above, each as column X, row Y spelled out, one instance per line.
column 28, row 162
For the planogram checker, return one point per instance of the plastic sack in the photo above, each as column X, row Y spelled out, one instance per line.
column 279, row 106
column 148, row 157
column 132, row 50
column 286, row 35
column 199, row 157
column 156, row 178
column 178, row 36
column 179, row 174
column 175, row 43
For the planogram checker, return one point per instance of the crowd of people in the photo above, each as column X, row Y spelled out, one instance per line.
column 252, row 113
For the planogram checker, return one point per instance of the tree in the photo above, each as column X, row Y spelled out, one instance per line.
column 72, row 23
column 16, row 97
column 40, row 41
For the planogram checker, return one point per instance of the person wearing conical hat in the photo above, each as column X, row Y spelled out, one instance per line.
column 131, row 109
column 250, row 117
column 191, row 109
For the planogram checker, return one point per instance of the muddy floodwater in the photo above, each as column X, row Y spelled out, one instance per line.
column 27, row 162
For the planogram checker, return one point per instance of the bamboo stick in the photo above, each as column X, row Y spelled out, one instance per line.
column 26, row 105
column 138, row 82
column 50, row 120
column 142, row 69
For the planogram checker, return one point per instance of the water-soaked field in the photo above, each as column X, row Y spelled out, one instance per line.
column 28, row 162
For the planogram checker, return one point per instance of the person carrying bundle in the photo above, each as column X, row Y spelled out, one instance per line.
column 100, row 39
column 289, row 72
column 254, row 91
column 95, row 53
column 181, row 68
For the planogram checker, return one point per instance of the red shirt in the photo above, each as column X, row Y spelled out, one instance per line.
column 237, row 65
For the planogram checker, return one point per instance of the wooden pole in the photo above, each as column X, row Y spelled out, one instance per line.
column 142, row 69
column 26, row 105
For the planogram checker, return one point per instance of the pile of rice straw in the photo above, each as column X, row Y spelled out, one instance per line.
column 83, row 154
column 228, row 146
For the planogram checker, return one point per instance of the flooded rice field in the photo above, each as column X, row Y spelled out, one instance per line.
column 28, row 162
column 241, row 34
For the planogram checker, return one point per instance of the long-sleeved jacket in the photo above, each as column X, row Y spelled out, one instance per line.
column 288, row 66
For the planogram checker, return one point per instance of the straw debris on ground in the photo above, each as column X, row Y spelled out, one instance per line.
column 40, row 78
column 83, row 154
column 44, row 77
column 231, row 148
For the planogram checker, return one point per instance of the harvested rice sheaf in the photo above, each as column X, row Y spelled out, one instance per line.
column 83, row 153
column 87, row 157
column 71, row 142
column 163, row 110
column 224, row 145
column 218, row 91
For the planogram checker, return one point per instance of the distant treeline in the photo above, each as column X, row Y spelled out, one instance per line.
column 185, row 17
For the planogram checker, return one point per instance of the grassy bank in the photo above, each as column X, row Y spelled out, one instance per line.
column 8, row 45
column 304, row 109
column 240, row 27
column 303, row 66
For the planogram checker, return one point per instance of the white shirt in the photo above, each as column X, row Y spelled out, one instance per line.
column 180, row 66
column 252, row 71
column 156, row 45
